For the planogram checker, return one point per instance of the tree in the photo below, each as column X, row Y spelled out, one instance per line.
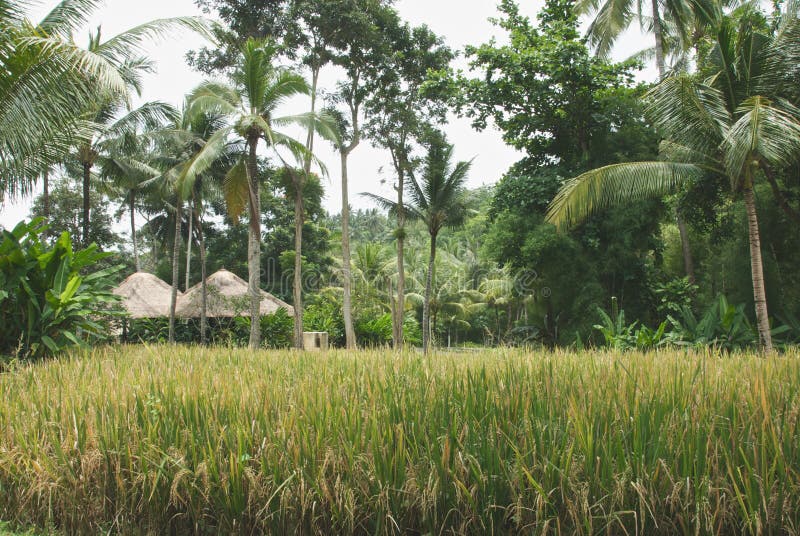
column 122, row 52
column 669, row 22
column 361, row 48
column 547, row 94
column 250, row 103
column 244, row 19
column 437, row 201
column 65, row 205
column 568, row 112
column 46, row 83
column 396, row 112
column 736, row 122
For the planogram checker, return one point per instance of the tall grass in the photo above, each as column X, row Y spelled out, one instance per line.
column 224, row 441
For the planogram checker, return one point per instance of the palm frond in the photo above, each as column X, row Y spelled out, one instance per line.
column 236, row 188
column 763, row 131
column 616, row 184
column 131, row 42
column 68, row 16
column 686, row 110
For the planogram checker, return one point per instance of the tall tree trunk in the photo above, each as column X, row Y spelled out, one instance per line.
column 688, row 261
column 201, row 241
column 310, row 136
column 426, row 306
column 188, row 277
column 757, row 269
column 132, row 210
column 347, row 276
column 254, row 245
column 176, row 256
column 658, row 30
column 46, row 196
column 401, row 273
column 87, row 175
column 297, row 288
column 392, row 303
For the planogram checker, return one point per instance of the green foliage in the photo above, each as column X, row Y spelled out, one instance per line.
column 49, row 299
column 323, row 312
column 276, row 329
column 548, row 95
column 722, row 325
column 66, row 205
column 622, row 336
column 375, row 331
column 674, row 295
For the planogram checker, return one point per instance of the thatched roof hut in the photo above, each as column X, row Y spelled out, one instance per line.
column 145, row 296
column 226, row 297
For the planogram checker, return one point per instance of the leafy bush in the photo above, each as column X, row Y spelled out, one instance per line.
column 622, row 336
column 374, row 331
column 722, row 326
column 277, row 330
column 46, row 304
column 323, row 312
column 674, row 295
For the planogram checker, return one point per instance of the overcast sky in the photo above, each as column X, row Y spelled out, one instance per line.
column 460, row 22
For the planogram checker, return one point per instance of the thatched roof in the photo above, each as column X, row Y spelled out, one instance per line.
column 145, row 296
column 227, row 297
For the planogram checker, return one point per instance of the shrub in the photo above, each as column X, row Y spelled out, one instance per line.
column 277, row 330
column 324, row 313
column 47, row 302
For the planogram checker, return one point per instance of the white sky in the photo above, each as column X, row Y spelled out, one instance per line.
column 461, row 22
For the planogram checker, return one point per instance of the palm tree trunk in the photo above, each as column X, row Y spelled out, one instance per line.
column 201, row 241
column 297, row 290
column 132, row 210
column 757, row 269
column 189, row 247
column 426, row 306
column 87, row 175
column 310, row 137
column 176, row 255
column 254, row 246
column 46, row 196
column 658, row 30
column 347, row 283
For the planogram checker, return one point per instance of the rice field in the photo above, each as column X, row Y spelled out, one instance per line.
column 162, row 440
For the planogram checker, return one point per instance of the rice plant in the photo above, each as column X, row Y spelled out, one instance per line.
column 193, row 440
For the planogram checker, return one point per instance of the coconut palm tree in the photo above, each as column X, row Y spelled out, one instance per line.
column 669, row 22
column 257, row 91
column 437, row 200
column 46, row 83
column 738, row 122
column 188, row 151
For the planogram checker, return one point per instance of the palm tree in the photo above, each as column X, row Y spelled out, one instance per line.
column 121, row 51
column 124, row 173
column 737, row 124
column 46, row 83
column 437, row 201
column 258, row 89
column 189, row 148
column 668, row 22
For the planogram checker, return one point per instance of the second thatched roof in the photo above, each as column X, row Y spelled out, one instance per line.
column 226, row 297
column 145, row 296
